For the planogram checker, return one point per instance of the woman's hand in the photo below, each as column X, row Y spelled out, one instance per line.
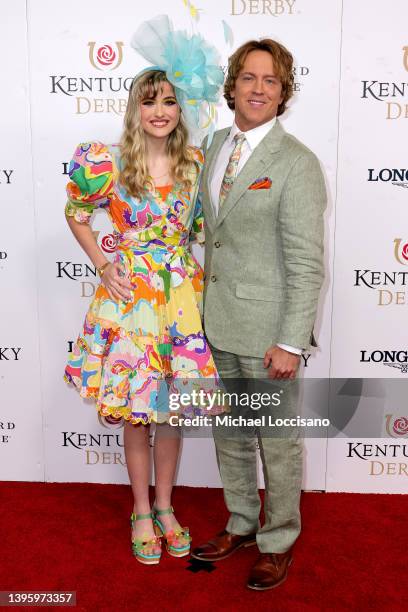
column 117, row 285
column 113, row 275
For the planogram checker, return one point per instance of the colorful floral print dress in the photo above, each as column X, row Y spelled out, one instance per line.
column 128, row 353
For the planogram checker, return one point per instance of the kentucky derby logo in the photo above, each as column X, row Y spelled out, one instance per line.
column 392, row 94
column 401, row 251
column 108, row 243
column 105, row 57
column 111, row 422
column 396, row 427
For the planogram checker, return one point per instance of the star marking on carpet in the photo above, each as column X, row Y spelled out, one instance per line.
column 200, row 566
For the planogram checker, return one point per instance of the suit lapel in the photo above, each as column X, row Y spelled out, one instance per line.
column 210, row 159
column 260, row 159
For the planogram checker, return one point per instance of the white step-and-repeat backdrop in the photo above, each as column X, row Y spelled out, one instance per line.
column 66, row 70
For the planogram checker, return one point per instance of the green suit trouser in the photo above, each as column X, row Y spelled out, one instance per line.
column 281, row 457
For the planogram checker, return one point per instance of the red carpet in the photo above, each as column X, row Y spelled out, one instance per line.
column 352, row 553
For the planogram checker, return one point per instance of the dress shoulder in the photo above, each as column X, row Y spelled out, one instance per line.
column 91, row 180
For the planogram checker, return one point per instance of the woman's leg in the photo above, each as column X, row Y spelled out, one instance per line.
column 137, row 453
column 166, row 453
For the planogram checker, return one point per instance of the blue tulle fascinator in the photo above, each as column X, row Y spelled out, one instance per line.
column 191, row 66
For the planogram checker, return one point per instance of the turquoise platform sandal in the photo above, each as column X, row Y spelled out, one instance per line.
column 141, row 547
column 172, row 538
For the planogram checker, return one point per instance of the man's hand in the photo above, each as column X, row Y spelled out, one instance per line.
column 281, row 363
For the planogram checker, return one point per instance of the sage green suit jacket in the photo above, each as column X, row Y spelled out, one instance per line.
column 264, row 251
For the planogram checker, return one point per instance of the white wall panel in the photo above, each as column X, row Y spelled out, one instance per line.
column 21, row 426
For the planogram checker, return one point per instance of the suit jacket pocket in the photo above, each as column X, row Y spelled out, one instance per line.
column 260, row 292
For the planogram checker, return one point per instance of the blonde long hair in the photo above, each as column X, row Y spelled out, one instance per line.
column 134, row 175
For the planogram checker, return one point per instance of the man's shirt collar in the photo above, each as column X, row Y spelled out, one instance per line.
column 254, row 136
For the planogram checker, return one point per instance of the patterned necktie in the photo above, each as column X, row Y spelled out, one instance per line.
column 231, row 170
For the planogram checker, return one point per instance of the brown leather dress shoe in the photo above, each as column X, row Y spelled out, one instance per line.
column 270, row 570
column 222, row 546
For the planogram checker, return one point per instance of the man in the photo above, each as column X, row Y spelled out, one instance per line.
column 263, row 198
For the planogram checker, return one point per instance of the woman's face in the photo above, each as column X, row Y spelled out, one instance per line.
column 160, row 115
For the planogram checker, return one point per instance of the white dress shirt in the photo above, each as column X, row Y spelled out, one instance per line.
column 252, row 139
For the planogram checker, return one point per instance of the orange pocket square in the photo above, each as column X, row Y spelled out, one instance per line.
column 261, row 183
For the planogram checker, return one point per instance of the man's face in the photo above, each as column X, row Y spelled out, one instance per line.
column 258, row 91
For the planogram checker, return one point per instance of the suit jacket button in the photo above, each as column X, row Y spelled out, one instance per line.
column 217, row 244
column 213, row 278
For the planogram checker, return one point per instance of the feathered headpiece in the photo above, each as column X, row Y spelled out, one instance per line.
column 191, row 65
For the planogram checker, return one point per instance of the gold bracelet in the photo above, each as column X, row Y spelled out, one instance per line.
column 101, row 270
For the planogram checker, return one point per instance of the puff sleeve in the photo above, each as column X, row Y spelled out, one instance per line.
column 91, row 181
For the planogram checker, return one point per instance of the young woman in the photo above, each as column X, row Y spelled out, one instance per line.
column 143, row 328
